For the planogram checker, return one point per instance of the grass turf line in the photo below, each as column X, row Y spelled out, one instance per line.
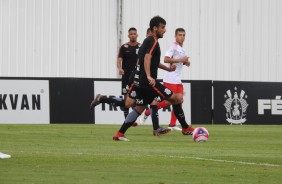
column 87, row 154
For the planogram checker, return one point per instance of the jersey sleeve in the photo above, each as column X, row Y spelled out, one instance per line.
column 170, row 51
column 151, row 45
column 120, row 52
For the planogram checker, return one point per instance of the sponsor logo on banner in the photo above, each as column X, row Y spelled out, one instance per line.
column 236, row 106
column 24, row 102
column 274, row 105
column 20, row 102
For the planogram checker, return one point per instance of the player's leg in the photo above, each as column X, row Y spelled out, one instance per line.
column 157, row 130
column 109, row 100
column 119, row 102
column 147, row 96
column 176, row 101
column 125, row 110
column 147, row 113
column 131, row 98
column 154, row 114
column 124, row 88
column 132, row 116
column 130, row 119
column 176, row 88
column 160, row 105
column 153, row 96
column 131, row 95
column 155, row 120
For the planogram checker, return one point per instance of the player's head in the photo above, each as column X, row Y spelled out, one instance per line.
column 132, row 34
column 180, row 35
column 148, row 33
column 157, row 26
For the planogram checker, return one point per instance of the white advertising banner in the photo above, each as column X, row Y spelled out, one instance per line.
column 107, row 114
column 24, row 102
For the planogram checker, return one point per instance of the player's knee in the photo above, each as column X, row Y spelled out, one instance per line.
column 127, row 106
column 140, row 109
column 128, row 103
column 177, row 99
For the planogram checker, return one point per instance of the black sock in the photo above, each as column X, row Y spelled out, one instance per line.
column 155, row 116
column 125, row 112
column 113, row 100
column 130, row 119
column 178, row 111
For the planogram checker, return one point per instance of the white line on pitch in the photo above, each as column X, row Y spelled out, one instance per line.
column 181, row 157
column 227, row 161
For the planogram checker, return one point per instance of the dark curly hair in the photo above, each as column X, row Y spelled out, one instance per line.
column 156, row 21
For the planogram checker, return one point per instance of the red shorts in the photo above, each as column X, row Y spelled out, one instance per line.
column 175, row 88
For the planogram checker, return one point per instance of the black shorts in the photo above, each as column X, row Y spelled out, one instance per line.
column 127, row 80
column 132, row 90
column 124, row 84
column 146, row 95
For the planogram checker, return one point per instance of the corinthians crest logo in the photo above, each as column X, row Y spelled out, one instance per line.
column 236, row 106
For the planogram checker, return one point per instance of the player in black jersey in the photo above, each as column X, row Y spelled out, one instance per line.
column 148, row 88
column 126, row 61
column 124, row 103
column 130, row 88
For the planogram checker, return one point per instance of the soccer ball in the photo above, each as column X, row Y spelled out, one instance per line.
column 200, row 134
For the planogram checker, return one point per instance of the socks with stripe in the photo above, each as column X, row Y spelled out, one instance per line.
column 178, row 111
column 155, row 116
column 130, row 119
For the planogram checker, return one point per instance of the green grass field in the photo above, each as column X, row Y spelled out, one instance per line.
column 87, row 154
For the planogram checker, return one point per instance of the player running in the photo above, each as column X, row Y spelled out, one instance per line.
column 123, row 103
column 148, row 88
column 175, row 55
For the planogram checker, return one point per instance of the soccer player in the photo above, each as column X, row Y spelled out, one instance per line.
column 175, row 55
column 148, row 88
column 131, row 90
column 124, row 103
column 126, row 61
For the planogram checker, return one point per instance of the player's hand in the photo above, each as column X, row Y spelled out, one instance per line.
column 152, row 81
column 187, row 63
column 121, row 71
column 184, row 59
column 172, row 68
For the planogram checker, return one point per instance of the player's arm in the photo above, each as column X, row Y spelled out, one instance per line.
column 119, row 61
column 184, row 60
column 164, row 67
column 147, row 67
column 170, row 59
column 119, row 66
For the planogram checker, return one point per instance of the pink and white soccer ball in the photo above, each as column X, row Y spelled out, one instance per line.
column 200, row 134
